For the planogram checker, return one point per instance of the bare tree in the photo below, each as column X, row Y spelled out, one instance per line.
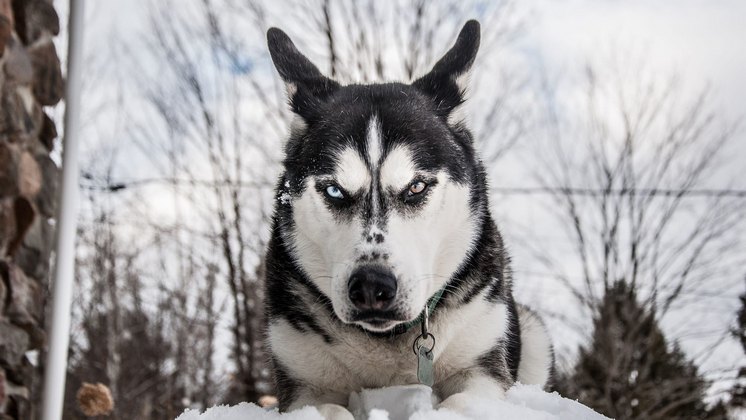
column 633, row 175
column 217, row 165
column 115, row 341
column 370, row 41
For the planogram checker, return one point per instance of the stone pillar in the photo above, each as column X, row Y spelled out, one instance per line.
column 30, row 79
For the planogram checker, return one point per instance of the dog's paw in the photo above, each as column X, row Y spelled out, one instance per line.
column 462, row 402
column 457, row 402
column 334, row 412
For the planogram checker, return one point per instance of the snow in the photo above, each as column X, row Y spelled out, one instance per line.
column 396, row 402
column 285, row 198
column 524, row 402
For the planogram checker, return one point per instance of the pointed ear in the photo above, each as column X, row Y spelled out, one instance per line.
column 306, row 86
column 446, row 82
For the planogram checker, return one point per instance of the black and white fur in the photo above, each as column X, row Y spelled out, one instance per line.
column 384, row 179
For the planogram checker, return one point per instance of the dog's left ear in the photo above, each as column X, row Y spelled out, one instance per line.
column 306, row 86
column 446, row 82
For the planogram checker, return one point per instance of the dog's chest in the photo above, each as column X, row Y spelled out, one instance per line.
column 352, row 361
column 375, row 363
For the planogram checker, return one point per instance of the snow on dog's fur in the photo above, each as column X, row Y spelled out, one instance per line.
column 381, row 207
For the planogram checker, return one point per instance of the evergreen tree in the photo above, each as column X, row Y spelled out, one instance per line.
column 140, row 387
column 628, row 371
column 738, row 399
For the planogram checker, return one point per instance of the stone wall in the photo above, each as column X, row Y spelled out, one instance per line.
column 30, row 79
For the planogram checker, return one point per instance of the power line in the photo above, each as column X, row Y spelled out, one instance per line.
column 136, row 183
column 114, row 187
column 595, row 192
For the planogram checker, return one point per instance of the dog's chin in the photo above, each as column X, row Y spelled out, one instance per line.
column 375, row 321
column 378, row 325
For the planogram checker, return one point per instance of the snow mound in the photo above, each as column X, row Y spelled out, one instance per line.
column 522, row 402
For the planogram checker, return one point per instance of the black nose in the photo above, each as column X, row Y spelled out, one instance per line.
column 372, row 288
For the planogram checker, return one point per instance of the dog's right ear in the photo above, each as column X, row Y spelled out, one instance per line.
column 306, row 86
column 446, row 83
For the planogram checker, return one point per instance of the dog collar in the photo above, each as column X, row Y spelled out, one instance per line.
column 430, row 308
column 425, row 357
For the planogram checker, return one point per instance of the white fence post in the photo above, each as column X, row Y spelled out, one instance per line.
column 64, row 268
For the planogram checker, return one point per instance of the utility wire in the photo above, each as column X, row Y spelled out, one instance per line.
column 593, row 192
column 123, row 185
column 113, row 187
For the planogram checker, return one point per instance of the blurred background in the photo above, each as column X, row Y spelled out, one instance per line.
column 613, row 136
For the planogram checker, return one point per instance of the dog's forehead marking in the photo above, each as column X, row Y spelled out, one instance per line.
column 374, row 147
column 352, row 173
column 397, row 169
column 374, row 140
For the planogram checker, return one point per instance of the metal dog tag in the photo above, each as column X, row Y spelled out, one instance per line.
column 425, row 366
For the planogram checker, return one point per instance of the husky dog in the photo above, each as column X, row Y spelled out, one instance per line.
column 381, row 219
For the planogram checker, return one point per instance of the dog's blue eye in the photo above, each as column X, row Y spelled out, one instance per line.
column 334, row 192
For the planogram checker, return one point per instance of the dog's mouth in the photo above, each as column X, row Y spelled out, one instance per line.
column 378, row 321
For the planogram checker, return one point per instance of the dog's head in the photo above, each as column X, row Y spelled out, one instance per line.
column 378, row 204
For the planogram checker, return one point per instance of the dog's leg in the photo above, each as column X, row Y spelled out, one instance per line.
column 334, row 412
column 460, row 391
column 537, row 356
column 330, row 405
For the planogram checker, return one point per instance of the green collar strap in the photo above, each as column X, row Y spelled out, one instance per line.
column 430, row 309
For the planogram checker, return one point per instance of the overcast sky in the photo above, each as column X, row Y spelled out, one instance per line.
column 702, row 40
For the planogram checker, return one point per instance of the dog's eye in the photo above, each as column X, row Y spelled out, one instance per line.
column 416, row 187
column 335, row 192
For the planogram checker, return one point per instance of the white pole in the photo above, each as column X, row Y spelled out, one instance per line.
column 64, row 268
